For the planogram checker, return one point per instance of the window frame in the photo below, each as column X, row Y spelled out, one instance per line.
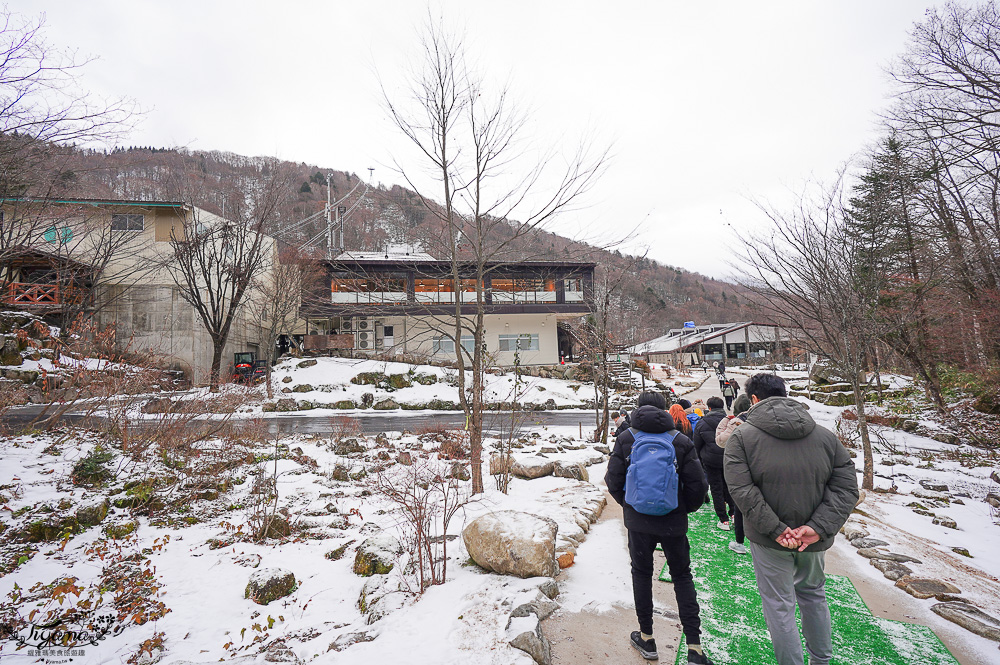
column 504, row 340
column 129, row 218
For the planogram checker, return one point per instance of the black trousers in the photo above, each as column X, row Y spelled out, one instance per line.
column 729, row 401
column 678, row 553
column 721, row 501
column 738, row 524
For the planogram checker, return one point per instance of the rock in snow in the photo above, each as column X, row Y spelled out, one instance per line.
column 574, row 470
column 525, row 633
column 269, row 584
column 377, row 555
column 531, row 467
column 513, row 543
column 969, row 617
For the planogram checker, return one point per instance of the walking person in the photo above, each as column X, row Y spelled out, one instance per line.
column 680, row 419
column 710, row 455
column 661, row 453
column 796, row 486
column 722, row 433
column 729, row 394
column 620, row 419
column 736, row 387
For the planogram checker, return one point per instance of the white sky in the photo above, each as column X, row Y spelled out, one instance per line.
column 704, row 106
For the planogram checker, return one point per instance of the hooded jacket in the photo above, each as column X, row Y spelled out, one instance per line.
column 693, row 485
column 785, row 471
column 703, row 439
column 725, row 430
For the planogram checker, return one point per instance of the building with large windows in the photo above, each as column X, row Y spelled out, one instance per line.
column 727, row 342
column 405, row 301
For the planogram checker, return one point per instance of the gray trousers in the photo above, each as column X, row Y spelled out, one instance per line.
column 787, row 577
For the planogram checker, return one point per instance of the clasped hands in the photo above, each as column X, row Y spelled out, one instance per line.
column 799, row 538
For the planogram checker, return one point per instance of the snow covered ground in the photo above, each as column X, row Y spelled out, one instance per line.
column 200, row 563
column 191, row 555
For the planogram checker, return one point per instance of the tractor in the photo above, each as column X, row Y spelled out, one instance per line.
column 247, row 369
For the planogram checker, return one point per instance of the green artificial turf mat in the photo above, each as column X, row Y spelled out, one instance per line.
column 732, row 622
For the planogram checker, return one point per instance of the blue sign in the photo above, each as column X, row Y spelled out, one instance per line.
column 689, row 324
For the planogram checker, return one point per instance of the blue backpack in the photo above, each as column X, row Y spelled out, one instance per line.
column 693, row 418
column 651, row 480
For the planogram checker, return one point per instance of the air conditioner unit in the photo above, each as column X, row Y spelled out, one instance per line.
column 364, row 336
column 347, row 324
column 363, row 344
column 365, row 324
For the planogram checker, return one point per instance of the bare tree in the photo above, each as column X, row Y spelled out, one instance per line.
column 949, row 94
column 802, row 273
column 493, row 194
column 600, row 335
column 216, row 260
column 277, row 295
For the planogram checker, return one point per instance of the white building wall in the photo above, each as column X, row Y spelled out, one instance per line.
column 415, row 334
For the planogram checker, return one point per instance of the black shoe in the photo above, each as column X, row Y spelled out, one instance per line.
column 695, row 658
column 646, row 647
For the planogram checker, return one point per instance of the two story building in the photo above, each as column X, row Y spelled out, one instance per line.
column 403, row 300
column 111, row 260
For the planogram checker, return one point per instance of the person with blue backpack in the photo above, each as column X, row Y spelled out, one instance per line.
column 655, row 475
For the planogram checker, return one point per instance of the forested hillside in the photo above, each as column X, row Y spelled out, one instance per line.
column 653, row 297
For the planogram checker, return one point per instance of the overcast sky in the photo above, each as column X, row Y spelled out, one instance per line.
column 704, row 105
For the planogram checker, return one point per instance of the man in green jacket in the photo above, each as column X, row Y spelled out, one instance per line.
column 796, row 486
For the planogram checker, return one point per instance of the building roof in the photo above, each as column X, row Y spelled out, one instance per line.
column 681, row 338
column 393, row 254
column 99, row 202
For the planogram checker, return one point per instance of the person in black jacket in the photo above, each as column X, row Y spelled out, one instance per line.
column 711, row 456
column 620, row 419
column 670, row 530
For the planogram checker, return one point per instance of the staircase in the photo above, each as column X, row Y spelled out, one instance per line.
column 619, row 370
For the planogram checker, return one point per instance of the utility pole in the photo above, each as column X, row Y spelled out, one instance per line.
column 329, row 221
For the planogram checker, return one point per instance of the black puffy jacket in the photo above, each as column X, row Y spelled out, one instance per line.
column 693, row 485
column 703, row 439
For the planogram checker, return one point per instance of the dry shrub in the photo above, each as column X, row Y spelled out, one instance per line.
column 455, row 445
column 426, row 500
column 344, row 427
column 433, row 429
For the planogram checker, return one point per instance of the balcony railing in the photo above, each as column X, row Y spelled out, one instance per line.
column 40, row 295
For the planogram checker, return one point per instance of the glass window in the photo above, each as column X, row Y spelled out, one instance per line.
column 377, row 289
column 126, row 222
column 573, row 289
column 444, row 344
column 434, row 290
column 519, row 342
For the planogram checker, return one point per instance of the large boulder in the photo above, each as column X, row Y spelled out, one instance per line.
column 513, row 543
column 531, row 467
column 386, row 405
column 269, row 584
column 377, row 555
column 574, row 470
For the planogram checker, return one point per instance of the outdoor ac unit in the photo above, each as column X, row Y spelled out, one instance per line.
column 347, row 324
column 366, row 324
column 363, row 344
column 364, row 336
